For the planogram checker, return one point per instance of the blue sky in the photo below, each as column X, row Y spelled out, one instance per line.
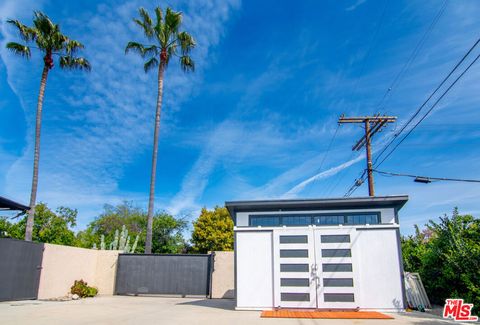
column 256, row 118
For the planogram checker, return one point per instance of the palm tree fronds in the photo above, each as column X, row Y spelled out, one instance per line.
column 150, row 64
column 158, row 23
column 43, row 24
column 145, row 22
column 72, row 63
column 135, row 47
column 19, row 49
column 57, row 42
column 73, row 46
column 186, row 41
column 151, row 51
column 173, row 20
column 187, row 63
column 26, row 33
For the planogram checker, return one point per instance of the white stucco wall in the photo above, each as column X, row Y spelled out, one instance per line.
column 254, row 281
column 387, row 215
column 62, row 265
column 379, row 279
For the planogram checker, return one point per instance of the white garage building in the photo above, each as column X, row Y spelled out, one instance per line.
column 326, row 253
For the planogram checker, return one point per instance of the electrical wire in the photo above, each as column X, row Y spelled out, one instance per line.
column 402, row 129
column 429, row 111
column 396, row 81
column 361, row 180
column 372, row 44
column 332, row 186
column 327, row 152
column 413, row 56
column 358, row 182
column 428, row 177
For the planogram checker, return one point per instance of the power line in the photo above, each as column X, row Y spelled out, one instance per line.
column 329, row 147
column 428, row 177
column 333, row 185
column 430, row 110
column 328, row 151
column 373, row 124
column 426, row 101
column 396, row 81
column 372, row 44
column 360, row 181
column 413, row 55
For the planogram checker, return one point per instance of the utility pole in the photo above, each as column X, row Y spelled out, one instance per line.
column 373, row 124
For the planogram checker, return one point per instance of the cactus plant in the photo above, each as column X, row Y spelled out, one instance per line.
column 123, row 238
column 102, row 242
column 121, row 242
column 134, row 246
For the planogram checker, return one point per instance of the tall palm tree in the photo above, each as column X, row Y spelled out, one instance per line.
column 167, row 39
column 51, row 42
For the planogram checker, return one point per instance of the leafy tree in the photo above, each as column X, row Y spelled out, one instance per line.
column 447, row 256
column 167, row 234
column 50, row 41
column 413, row 250
column 167, row 230
column 49, row 227
column 213, row 231
column 165, row 33
column 113, row 218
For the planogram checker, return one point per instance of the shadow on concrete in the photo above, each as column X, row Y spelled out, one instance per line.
column 225, row 304
column 229, row 294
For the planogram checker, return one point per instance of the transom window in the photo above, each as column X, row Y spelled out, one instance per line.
column 319, row 219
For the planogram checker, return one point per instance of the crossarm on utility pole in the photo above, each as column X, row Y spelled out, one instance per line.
column 379, row 123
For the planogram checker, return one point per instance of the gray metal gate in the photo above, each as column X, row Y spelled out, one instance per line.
column 20, row 266
column 182, row 274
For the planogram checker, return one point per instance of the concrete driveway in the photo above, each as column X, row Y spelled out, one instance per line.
column 163, row 310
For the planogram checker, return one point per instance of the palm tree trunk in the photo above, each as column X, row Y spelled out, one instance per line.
column 36, row 157
column 151, row 199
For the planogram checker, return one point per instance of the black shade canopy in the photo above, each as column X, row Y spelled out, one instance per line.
column 6, row 204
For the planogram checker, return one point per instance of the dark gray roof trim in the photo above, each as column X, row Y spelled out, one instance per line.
column 11, row 205
column 392, row 201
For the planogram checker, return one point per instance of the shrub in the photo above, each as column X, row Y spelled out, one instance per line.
column 82, row 289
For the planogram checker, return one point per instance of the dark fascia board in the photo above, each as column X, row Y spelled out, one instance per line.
column 12, row 205
column 394, row 201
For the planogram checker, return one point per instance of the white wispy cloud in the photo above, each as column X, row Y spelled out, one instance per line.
column 86, row 148
column 232, row 143
column 357, row 4
column 294, row 191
